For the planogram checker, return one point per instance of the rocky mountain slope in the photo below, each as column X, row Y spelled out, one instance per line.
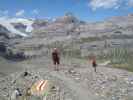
column 71, row 33
column 11, row 29
column 9, row 24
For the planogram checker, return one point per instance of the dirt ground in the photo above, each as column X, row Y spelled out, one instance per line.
column 74, row 81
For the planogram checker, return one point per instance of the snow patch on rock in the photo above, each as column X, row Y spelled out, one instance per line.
column 6, row 22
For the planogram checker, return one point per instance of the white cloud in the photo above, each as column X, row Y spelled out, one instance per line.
column 20, row 13
column 95, row 4
column 35, row 11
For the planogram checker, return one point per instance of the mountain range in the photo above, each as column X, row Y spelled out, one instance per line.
column 20, row 33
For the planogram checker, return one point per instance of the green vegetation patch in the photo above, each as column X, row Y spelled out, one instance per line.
column 89, row 39
column 120, row 58
column 125, row 66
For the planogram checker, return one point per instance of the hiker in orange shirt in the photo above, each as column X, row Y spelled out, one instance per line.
column 94, row 64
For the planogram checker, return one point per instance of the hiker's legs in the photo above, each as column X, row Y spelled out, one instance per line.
column 95, row 69
column 94, row 66
column 57, row 64
column 54, row 63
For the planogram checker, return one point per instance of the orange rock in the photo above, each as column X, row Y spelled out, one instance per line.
column 40, row 88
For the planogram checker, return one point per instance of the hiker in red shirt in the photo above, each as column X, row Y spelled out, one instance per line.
column 56, row 58
column 94, row 64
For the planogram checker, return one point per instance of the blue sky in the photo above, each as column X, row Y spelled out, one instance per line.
column 88, row 10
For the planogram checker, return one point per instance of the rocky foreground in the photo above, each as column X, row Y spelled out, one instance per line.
column 72, row 82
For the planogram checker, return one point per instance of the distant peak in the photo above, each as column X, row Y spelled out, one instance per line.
column 130, row 15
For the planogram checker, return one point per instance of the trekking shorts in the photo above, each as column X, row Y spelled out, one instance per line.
column 94, row 65
column 56, row 61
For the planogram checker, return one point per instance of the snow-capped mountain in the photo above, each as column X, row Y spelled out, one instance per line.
column 13, row 25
